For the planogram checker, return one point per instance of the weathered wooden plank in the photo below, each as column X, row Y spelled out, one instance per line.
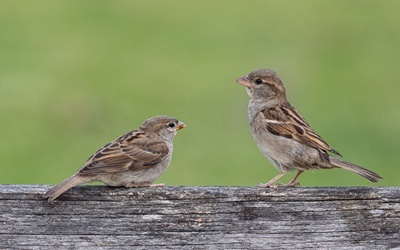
column 98, row 217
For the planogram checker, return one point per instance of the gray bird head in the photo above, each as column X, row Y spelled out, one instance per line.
column 263, row 85
column 165, row 126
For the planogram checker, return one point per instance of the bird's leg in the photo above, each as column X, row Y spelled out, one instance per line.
column 293, row 182
column 271, row 182
column 139, row 185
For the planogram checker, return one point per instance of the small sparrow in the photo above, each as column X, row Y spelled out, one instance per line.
column 135, row 159
column 282, row 134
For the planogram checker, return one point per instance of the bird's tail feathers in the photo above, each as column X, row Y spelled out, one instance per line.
column 56, row 191
column 368, row 174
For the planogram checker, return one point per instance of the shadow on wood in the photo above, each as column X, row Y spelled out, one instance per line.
column 97, row 217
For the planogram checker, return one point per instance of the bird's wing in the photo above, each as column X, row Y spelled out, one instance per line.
column 287, row 122
column 132, row 151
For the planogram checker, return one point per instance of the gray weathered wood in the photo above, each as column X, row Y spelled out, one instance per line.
column 97, row 217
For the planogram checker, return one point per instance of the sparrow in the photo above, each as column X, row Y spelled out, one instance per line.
column 135, row 159
column 283, row 135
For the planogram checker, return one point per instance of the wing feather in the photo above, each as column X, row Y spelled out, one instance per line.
column 290, row 124
column 132, row 151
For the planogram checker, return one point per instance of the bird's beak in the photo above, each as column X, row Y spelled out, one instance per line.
column 180, row 126
column 244, row 80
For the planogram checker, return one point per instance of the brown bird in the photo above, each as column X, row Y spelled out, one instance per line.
column 135, row 159
column 282, row 134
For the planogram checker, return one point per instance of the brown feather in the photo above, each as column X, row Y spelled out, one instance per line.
column 290, row 124
column 132, row 151
column 68, row 183
column 368, row 174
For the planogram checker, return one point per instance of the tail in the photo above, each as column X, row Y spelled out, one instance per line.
column 374, row 177
column 56, row 191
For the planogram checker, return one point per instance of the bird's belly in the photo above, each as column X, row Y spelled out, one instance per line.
column 141, row 176
column 285, row 154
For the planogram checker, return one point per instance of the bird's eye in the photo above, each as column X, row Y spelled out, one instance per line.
column 258, row 81
column 171, row 124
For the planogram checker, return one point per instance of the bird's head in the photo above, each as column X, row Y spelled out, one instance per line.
column 165, row 126
column 263, row 85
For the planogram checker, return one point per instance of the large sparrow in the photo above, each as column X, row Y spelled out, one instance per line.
column 282, row 134
column 135, row 159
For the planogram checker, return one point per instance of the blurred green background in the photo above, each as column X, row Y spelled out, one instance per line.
column 75, row 75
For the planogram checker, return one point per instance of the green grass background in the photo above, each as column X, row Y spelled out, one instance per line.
column 75, row 75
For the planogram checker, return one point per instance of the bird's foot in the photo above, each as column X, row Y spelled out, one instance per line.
column 139, row 185
column 290, row 184
column 275, row 186
column 267, row 185
column 293, row 184
column 158, row 185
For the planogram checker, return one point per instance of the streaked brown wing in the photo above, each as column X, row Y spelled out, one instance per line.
column 145, row 152
column 132, row 151
column 290, row 124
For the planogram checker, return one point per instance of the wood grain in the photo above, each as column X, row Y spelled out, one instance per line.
column 98, row 217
